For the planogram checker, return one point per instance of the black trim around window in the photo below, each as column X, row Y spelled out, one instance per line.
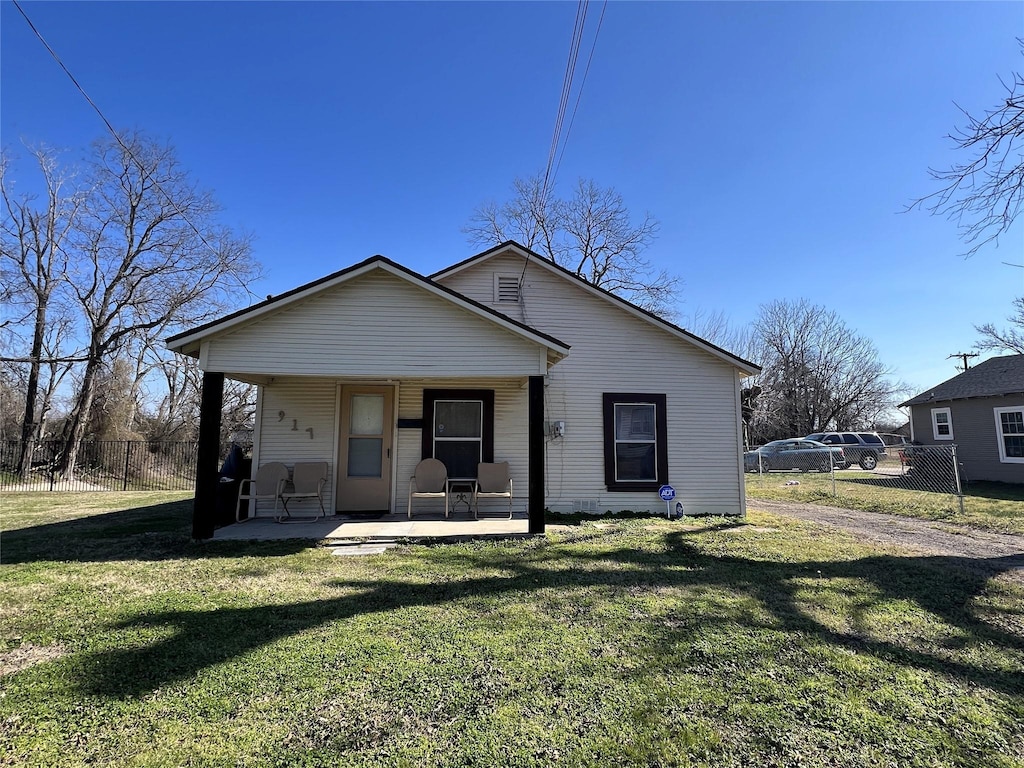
column 430, row 396
column 610, row 399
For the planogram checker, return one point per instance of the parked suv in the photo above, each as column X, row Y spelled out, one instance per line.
column 865, row 448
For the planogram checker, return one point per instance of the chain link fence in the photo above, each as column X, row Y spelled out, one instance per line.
column 902, row 476
column 103, row 465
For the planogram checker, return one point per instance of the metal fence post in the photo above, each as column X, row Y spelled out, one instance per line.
column 956, row 479
column 127, row 459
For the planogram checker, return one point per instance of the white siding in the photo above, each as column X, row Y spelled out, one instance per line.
column 374, row 325
column 510, row 437
column 306, row 403
column 613, row 351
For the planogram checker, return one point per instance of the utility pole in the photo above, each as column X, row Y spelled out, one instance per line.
column 963, row 356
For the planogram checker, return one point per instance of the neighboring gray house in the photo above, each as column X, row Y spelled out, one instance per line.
column 593, row 401
column 981, row 411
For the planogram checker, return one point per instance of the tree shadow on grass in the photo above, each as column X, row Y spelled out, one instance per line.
column 145, row 533
column 943, row 586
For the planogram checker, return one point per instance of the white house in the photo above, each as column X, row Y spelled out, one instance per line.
column 594, row 402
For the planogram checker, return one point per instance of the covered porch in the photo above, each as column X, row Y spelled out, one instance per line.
column 369, row 371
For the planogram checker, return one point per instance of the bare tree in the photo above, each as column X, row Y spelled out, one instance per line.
column 1009, row 339
column 817, row 373
column 714, row 326
column 590, row 233
column 12, row 406
column 530, row 217
column 33, row 249
column 176, row 415
column 984, row 195
column 149, row 252
column 115, row 406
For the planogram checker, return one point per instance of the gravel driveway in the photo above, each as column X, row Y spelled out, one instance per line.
column 993, row 551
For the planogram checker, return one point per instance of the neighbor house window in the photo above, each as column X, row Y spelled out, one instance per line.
column 458, row 428
column 635, row 447
column 942, row 424
column 1010, row 433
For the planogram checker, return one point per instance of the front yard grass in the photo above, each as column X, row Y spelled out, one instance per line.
column 997, row 507
column 634, row 642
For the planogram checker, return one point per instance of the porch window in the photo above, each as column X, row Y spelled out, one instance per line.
column 458, row 429
column 1010, row 433
column 942, row 424
column 635, row 447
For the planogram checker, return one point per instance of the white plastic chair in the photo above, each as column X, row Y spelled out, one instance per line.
column 429, row 481
column 492, row 482
column 268, row 484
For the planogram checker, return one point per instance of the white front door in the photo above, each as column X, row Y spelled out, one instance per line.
column 364, row 454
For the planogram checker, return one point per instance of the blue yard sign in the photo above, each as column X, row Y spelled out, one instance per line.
column 667, row 492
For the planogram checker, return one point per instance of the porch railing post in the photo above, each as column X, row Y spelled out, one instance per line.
column 204, row 509
column 536, row 451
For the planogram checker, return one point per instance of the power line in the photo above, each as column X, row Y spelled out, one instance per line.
column 554, row 154
column 579, row 93
column 563, row 102
column 118, row 139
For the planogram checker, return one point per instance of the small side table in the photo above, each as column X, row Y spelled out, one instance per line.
column 462, row 491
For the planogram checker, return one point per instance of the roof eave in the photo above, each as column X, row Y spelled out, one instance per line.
column 932, row 400
column 187, row 342
column 746, row 367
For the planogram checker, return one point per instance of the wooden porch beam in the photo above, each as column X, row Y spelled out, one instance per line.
column 535, row 504
column 204, row 509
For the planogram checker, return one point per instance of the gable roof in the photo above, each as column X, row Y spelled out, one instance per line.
column 532, row 257
column 995, row 377
column 187, row 342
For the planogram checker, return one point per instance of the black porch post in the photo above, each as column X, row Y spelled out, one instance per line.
column 536, row 449
column 204, row 510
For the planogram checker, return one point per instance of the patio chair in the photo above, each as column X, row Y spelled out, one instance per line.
column 268, row 484
column 429, row 480
column 308, row 479
column 492, row 482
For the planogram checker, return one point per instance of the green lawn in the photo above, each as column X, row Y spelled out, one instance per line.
column 995, row 507
column 640, row 642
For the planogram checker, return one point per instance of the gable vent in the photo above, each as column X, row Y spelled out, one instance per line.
column 506, row 288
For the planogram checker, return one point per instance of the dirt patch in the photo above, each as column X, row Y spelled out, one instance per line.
column 991, row 551
column 27, row 655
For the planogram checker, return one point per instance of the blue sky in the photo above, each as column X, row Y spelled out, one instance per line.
column 777, row 143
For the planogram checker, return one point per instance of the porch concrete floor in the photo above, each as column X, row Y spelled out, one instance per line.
column 388, row 528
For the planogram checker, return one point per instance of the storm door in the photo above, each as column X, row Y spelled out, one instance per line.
column 364, row 455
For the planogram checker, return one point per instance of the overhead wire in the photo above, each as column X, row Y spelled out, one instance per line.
column 567, row 80
column 579, row 92
column 118, row 139
column 555, row 154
